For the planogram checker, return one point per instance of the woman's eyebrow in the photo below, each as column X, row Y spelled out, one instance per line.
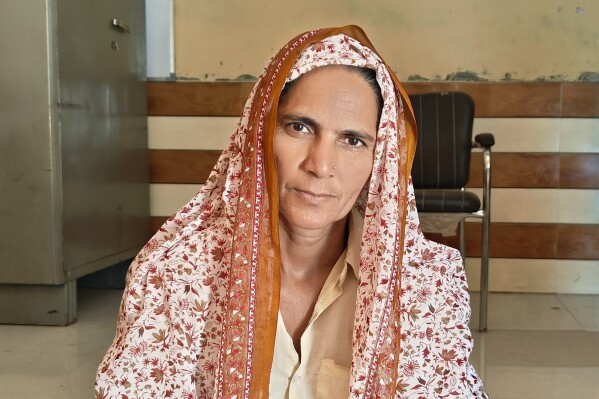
column 359, row 134
column 306, row 120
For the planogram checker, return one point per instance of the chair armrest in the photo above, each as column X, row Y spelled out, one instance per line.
column 484, row 140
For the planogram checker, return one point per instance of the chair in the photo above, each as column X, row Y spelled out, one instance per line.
column 441, row 168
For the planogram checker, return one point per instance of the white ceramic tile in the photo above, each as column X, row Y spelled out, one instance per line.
column 514, row 275
column 537, row 275
column 579, row 135
column 47, row 375
column 585, row 309
column 542, row 382
column 166, row 199
column 59, row 362
column 578, row 206
column 577, row 276
column 511, row 134
column 14, row 336
column 524, row 312
column 190, row 132
column 536, row 347
column 528, row 348
column 66, row 341
column 522, row 205
column 543, row 205
column 508, row 205
column 521, row 134
column 523, row 363
column 90, row 332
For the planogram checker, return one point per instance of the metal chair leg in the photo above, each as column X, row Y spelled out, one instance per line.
column 484, row 260
column 484, row 277
column 462, row 240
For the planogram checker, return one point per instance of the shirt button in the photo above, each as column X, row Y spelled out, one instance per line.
column 297, row 379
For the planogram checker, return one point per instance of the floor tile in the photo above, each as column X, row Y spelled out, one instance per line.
column 542, row 383
column 58, row 362
column 585, row 308
column 537, row 346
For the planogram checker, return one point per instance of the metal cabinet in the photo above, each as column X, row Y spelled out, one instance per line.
column 74, row 192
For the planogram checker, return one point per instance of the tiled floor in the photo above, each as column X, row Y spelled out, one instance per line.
column 538, row 346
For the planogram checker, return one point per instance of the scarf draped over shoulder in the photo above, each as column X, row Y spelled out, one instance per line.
column 199, row 312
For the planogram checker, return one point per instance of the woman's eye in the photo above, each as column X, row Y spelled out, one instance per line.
column 354, row 141
column 298, row 127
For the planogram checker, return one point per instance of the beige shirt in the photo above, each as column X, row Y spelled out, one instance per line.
column 326, row 344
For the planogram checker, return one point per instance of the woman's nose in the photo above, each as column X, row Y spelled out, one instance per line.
column 321, row 157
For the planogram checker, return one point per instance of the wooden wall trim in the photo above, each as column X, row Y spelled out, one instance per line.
column 579, row 171
column 197, row 98
column 526, row 170
column 580, row 100
column 517, row 240
column 182, row 166
column 510, row 170
column 514, row 99
column 538, row 170
column 502, row 99
column 531, row 240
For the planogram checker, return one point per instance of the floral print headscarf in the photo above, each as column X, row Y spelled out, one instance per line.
column 199, row 312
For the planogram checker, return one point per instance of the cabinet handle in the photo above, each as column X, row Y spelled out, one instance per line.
column 121, row 26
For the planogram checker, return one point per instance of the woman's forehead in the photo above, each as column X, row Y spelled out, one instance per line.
column 334, row 83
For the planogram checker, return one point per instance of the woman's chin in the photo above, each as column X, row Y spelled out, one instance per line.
column 309, row 220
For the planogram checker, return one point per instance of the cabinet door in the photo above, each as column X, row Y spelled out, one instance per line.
column 30, row 250
column 103, row 132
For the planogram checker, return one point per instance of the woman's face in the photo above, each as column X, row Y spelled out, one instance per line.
column 324, row 145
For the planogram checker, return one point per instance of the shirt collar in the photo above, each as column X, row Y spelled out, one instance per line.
column 352, row 256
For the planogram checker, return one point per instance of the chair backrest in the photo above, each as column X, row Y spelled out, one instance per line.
column 444, row 146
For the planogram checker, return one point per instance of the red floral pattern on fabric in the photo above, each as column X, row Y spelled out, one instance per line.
column 185, row 328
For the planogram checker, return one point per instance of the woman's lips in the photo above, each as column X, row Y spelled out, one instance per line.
column 312, row 196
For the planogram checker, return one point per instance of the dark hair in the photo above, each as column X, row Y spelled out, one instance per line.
column 368, row 74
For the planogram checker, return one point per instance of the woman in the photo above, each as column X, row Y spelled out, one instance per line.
column 299, row 269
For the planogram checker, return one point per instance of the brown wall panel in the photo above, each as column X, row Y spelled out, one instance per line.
column 182, row 166
column 581, row 100
column 503, row 99
column 579, row 170
column 510, row 170
column 515, row 170
column 531, row 240
column 509, row 240
column 517, row 240
column 197, row 98
column 492, row 99
column 577, row 241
